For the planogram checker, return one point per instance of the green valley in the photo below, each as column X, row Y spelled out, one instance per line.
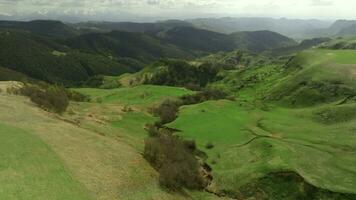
column 178, row 109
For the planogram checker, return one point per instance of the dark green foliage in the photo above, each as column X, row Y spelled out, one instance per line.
column 209, row 145
column 94, row 81
column 205, row 95
column 166, row 111
column 137, row 46
column 46, row 60
column 51, row 98
column 183, row 74
column 312, row 93
column 76, row 96
column 11, row 75
column 285, row 186
column 176, row 161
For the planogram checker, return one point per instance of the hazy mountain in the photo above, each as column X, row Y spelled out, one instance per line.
column 138, row 46
column 43, row 27
column 193, row 39
column 129, row 26
column 291, row 27
column 258, row 41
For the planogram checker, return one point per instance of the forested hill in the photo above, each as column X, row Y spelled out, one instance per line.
column 44, row 59
column 58, row 53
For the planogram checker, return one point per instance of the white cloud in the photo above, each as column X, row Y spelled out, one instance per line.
column 185, row 8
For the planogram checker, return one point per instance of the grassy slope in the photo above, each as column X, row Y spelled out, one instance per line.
column 285, row 137
column 27, row 163
column 105, row 166
column 324, row 76
column 252, row 139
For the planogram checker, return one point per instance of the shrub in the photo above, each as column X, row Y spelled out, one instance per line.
column 205, row 95
column 180, row 73
column 209, row 145
column 51, row 98
column 166, row 111
column 176, row 161
column 76, row 96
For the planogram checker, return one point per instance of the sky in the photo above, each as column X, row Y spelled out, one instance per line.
column 150, row 10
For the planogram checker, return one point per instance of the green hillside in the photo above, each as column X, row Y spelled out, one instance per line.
column 168, row 111
column 28, row 163
column 317, row 76
column 307, row 129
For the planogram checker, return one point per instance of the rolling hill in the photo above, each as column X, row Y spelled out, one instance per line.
column 48, row 28
column 193, row 39
column 259, row 41
column 138, row 46
column 292, row 27
column 129, row 26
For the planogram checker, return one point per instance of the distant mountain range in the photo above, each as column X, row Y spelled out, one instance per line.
column 71, row 53
column 294, row 28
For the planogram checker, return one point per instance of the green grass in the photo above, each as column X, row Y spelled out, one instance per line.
column 139, row 95
column 316, row 76
column 29, row 169
column 287, row 139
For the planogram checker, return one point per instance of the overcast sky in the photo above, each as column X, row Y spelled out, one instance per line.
column 145, row 10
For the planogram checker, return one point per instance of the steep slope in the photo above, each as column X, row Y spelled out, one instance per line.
column 259, row 41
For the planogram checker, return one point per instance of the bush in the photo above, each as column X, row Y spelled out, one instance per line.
column 180, row 73
column 76, row 96
column 51, row 98
column 209, row 145
column 166, row 111
column 176, row 161
column 205, row 95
